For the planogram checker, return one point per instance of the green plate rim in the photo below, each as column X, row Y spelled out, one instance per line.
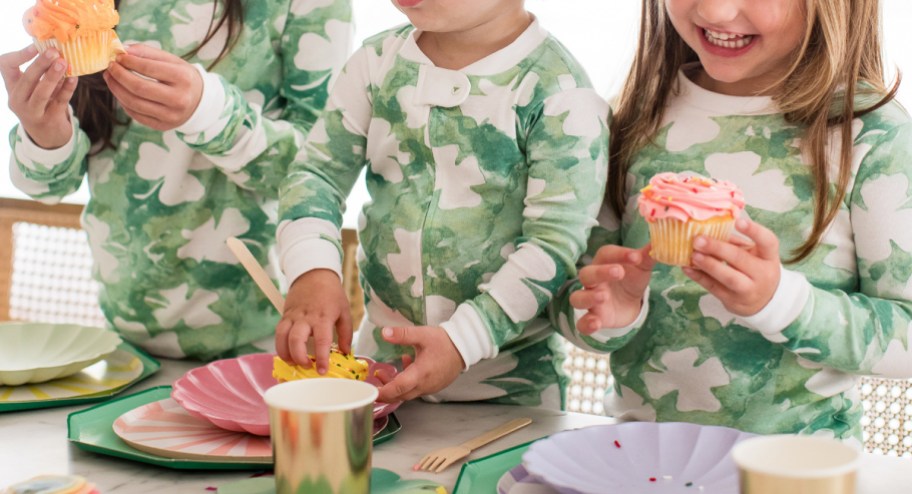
column 101, row 419
column 469, row 471
column 150, row 366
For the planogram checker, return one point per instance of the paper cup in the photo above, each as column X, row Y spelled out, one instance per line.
column 322, row 432
column 788, row 464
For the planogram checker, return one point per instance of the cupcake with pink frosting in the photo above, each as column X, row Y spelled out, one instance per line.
column 679, row 207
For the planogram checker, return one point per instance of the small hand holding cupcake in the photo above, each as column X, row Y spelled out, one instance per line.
column 156, row 88
column 39, row 96
column 613, row 288
column 743, row 276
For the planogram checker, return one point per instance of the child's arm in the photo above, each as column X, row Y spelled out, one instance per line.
column 868, row 331
column 248, row 143
column 311, row 201
column 48, row 149
column 566, row 154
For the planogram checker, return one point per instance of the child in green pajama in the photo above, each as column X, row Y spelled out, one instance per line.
column 766, row 333
column 194, row 156
column 485, row 148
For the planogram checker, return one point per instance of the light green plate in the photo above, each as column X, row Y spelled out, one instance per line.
column 118, row 371
column 481, row 475
column 37, row 352
column 92, row 430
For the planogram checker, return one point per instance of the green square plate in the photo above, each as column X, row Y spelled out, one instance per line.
column 482, row 475
column 92, row 430
column 118, row 371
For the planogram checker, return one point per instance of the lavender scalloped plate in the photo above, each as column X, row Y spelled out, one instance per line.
column 635, row 458
column 229, row 392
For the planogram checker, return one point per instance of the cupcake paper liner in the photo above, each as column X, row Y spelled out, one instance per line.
column 672, row 240
column 87, row 53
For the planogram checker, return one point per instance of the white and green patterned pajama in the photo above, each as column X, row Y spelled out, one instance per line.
column 842, row 312
column 162, row 204
column 484, row 184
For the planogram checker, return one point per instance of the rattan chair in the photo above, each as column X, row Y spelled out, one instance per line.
column 46, row 266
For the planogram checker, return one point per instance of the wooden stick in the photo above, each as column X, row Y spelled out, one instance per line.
column 256, row 272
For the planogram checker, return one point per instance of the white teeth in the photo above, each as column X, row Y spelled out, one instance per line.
column 727, row 40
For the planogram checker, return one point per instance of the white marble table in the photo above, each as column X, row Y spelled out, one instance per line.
column 35, row 442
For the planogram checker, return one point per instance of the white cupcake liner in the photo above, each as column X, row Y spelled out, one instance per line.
column 87, row 53
column 672, row 240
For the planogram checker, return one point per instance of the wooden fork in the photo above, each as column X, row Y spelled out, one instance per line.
column 438, row 460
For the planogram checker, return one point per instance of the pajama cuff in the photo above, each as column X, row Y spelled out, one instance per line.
column 470, row 335
column 786, row 305
column 305, row 245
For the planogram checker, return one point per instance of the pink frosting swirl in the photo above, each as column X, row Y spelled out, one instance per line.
column 684, row 197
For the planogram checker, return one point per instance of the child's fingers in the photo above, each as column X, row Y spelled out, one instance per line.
column 612, row 254
column 137, row 85
column 323, row 338
column 403, row 336
column 29, row 79
column 740, row 259
column 298, row 335
column 281, row 339
column 767, row 244
column 596, row 274
column 404, row 383
column 165, row 71
column 10, row 63
column 46, row 86
column 132, row 100
column 344, row 330
column 64, row 94
column 588, row 298
column 728, row 276
column 146, row 51
column 589, row 323
column 709, row 283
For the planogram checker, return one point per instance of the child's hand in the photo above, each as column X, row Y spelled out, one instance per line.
column 40, row 95
column 316, row 307
column 437, row 363
column 742, row 276
column 613, row 288
column 164, row 91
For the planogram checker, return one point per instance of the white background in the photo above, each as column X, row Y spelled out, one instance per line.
column 600, row 33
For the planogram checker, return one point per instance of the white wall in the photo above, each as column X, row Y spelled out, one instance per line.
column 601, row 33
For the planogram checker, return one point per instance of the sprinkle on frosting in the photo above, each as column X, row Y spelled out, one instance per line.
column 65, row 19
column 685, row 197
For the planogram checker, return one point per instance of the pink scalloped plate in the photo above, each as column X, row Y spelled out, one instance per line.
column 229, row 392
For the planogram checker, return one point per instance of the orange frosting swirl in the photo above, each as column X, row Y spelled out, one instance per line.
column 684, row 197
column 66, row 19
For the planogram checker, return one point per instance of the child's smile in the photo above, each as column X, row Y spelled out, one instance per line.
column 744, row 47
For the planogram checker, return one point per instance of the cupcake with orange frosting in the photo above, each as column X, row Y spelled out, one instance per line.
column 680, row 207
column 81, row 30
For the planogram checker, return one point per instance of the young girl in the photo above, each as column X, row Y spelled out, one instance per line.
column 187, row 157
column 786, row 99
column 485, row 148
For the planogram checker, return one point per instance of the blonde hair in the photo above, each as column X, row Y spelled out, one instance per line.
column 841, row 48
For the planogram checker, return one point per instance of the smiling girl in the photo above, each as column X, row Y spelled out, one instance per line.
column 786, row 99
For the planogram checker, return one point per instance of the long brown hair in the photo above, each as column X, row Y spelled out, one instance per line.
column 93, row 102
column 841, row 48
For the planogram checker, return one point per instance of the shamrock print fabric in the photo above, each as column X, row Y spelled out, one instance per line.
column 842, row 312
column 484, row 184
column 163, row 203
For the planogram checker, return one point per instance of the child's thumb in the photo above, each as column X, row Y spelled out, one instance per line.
column 401, row 336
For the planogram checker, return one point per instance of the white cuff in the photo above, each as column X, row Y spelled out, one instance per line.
column 786, row 305
column 206, row 116
column 30, row 153
column 303, row 247
column 605, row 334
column 470, row 335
